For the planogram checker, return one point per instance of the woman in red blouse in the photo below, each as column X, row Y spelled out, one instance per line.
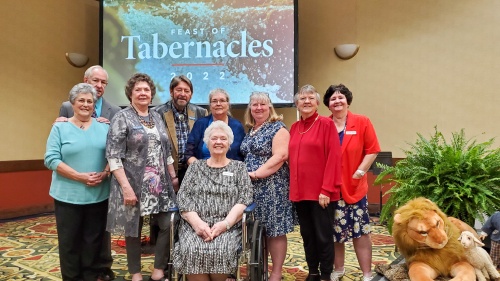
column 315, row 180
column 359, row 149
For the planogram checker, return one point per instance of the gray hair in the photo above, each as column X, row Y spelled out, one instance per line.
column 306, row 89
column 82, row 88
column 221, row 125
column 224, row 92
column 91, row 69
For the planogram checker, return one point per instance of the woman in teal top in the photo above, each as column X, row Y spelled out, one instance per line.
column 80, row 185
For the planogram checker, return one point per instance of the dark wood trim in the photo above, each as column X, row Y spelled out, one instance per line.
column 22, row 166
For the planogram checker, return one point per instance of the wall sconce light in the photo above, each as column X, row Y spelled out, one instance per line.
column 77, row 60
column 346, row 51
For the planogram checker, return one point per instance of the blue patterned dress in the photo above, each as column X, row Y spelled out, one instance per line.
column 274, row 208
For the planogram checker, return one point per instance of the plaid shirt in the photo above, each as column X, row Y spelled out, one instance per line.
column 181, row 130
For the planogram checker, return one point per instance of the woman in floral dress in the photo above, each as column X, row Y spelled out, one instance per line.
column 265, row 148
column 138, row 152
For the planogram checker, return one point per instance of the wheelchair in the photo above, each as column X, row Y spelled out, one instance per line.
column 252, row 255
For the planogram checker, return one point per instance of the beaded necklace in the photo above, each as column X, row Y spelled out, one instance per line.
column 148, row 124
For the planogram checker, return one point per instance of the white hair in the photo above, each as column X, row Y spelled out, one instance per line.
column 221, row 126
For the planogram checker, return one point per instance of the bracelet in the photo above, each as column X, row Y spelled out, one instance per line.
column 227, row 225
column 361, row 172
column 108, row 172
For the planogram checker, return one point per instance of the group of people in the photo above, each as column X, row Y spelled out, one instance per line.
column 112, row 167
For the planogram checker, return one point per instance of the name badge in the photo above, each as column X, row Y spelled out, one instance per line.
column 350, row 132
column 229, row 174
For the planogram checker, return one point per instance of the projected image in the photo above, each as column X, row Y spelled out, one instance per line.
column 242, row 46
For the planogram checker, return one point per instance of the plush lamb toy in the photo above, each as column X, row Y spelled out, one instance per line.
column 478, row 257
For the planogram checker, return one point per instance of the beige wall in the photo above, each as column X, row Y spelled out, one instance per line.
column 34, row 74
column 421, row 63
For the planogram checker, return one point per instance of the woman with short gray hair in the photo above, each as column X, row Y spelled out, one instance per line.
column 315, row 180
column 196, row 148
column 80, row 185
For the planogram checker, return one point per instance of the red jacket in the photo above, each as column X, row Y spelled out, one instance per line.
column 314, row 159
column 359, row 140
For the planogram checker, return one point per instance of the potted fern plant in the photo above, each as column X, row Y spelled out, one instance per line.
column 461, row 176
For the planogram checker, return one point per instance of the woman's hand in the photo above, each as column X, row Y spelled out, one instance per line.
column 203, row 230
column 324, row 200
column 91, row 179
column 252, row 175
column 218, row 228
column 175, row 184
column 129, row 197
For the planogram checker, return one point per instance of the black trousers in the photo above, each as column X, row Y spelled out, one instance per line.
column 316, row 229
column 105, row 260
column 80, row 233
column 162, row 250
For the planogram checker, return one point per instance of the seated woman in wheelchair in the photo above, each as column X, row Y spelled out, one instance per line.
column 212, row 198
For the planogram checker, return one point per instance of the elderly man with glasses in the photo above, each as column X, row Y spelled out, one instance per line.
column 104, row 111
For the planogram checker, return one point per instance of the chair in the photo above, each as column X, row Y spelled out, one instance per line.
column 252, row 256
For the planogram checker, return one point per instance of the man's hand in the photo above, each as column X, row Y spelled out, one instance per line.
column 482, row 235
column 102, row 120
column 60, row 119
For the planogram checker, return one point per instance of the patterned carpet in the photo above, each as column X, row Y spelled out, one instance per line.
column 29, row 251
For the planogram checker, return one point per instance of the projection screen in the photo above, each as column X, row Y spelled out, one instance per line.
column 241, row 46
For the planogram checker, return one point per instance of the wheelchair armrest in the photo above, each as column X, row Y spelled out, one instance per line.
column 250, row 208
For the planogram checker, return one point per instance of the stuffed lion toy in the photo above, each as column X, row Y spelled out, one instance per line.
column 428, row 240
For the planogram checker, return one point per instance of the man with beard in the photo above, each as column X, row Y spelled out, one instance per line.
column 179, row 116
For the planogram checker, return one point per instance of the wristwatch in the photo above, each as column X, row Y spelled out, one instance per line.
column 227, row 225
column 360, row 172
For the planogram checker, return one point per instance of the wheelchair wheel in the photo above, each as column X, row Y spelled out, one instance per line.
column 258, row 254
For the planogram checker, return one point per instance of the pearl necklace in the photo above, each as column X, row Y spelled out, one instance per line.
column 310, row 126
column 254, row 131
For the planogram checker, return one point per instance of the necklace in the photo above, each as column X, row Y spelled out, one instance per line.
column 310, row 126
column 148, row 124
column 254, row 131
column 82, row 123
column 345, row 124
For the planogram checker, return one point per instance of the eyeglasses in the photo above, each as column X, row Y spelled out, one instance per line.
column 218, row 101
column 95, row 81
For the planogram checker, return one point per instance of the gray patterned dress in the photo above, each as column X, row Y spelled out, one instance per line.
column 211, row 192
column 144, row 154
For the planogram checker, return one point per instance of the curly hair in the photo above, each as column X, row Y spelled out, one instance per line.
column 136, row 78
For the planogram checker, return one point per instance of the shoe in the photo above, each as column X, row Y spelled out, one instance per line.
column 367, row 278
column 106, row 275
column 313, row 277
column 336, row 275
